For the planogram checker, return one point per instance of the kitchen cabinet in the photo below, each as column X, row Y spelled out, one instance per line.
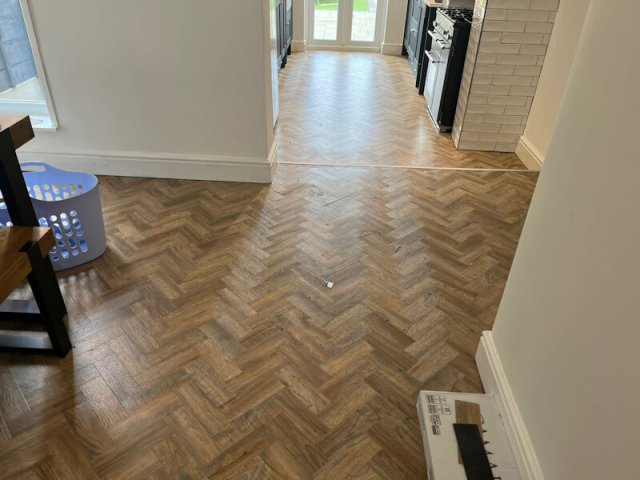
column 415, row 12
column 420, row 17
column 284, row 20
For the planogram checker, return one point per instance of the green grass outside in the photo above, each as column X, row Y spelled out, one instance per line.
column 358, row 5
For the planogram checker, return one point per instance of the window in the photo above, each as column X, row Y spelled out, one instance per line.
column 23, row 87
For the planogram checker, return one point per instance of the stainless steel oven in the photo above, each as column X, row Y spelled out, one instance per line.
column 438, row 58
column 450, row 36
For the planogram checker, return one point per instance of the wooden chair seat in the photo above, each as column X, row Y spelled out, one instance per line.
column 14, row 261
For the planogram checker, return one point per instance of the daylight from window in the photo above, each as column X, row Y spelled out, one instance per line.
column 20, row 88
column 363, row 20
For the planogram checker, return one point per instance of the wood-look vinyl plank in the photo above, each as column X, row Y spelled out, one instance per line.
column 88, row 429
column 120, row 382
column 205, row 344
column 287, row 464
column 329, row 115
column 12, row 402
column 349, row 461
column 70, row 455
column 104, row 402
column 189, row 429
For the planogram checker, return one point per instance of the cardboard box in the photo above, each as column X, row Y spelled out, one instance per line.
column 437, row 413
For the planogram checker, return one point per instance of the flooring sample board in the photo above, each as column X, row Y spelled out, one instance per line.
column 467, row 412
column 438, row 412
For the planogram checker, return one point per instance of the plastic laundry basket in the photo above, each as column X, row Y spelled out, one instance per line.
column 69, row 203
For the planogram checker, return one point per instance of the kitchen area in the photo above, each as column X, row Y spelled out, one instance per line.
column 478, row 63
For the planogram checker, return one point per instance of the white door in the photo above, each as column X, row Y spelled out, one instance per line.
column 348, row 24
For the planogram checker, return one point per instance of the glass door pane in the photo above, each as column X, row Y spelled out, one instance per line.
column 20, row 89
column 363, row 26
column 325, row 19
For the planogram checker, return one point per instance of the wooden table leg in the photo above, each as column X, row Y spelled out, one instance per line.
column 49, row 299
column 14, row 132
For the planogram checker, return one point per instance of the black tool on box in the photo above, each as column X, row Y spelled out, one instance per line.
column 474, row 457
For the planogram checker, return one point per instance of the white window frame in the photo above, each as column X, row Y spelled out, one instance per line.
column 49, row 120
column 343, row 39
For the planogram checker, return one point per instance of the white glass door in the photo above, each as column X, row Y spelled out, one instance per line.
column 365, row 22
column 345, row 23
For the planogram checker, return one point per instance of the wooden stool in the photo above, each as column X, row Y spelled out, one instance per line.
column 24, row 254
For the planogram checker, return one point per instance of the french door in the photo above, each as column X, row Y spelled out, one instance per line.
column 348, row 24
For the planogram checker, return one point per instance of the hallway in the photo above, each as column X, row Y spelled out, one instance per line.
column 352, row 108
column 205, row 344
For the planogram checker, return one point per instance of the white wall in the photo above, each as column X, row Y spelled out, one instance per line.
column 394, row 27
column 299, row 42
column 568, row 327
column 534, row 143
column 155, row 81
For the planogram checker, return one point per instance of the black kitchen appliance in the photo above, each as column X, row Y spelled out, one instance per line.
column 444, row 63
column 420, row 17
column 284, row 21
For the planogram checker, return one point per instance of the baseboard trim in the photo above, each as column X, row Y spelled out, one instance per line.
column 273, row 160
column 529, row 155
column 341, row 48
column 155, row 165
column 494, row 381
column 392, row 49
column 299, row 46
column 405, row 167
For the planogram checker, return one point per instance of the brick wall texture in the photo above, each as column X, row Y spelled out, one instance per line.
column 506, row 51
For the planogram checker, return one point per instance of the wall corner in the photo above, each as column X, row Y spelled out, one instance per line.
column 532, row 159
column 495, row 382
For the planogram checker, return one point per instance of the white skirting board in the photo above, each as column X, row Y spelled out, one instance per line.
column 298, row 45
column 344, row 48
column 134, row 164
column 495, row 382
column 528, row 155
column 392, row 49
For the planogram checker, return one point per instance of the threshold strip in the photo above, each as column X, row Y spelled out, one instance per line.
column 412, row 167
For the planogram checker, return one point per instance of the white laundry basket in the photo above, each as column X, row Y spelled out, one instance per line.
column 69, row 203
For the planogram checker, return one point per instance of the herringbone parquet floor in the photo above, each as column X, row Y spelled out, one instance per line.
column 363, row 109
column 205, row 345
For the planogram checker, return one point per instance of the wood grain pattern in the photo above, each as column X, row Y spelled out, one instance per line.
column 205, row 345
column 468, row 412
column 14, row 264
column 363, row 109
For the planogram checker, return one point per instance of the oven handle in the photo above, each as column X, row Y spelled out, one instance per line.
column 432, row 58
column 440, row 41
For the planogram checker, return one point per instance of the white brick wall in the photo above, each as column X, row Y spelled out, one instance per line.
column 506, row 52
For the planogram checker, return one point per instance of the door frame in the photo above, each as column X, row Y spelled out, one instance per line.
column 345, row 20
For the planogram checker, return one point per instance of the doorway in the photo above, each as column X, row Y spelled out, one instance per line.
column 345, row 24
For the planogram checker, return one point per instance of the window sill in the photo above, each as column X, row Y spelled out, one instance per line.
column 42, row 123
